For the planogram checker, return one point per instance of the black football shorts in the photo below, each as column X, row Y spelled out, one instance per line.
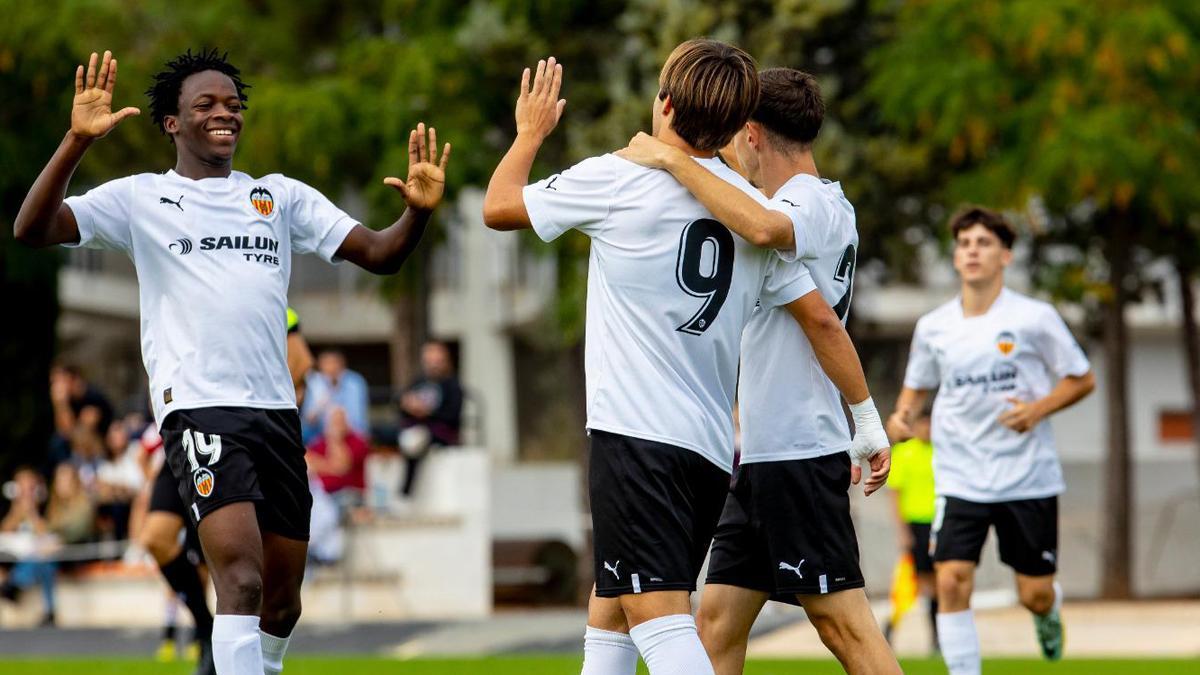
column 1026, row 529
column 654, row 509
column 223, row 455
column 786, row 529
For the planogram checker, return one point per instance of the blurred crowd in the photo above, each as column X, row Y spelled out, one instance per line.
column 86, row 501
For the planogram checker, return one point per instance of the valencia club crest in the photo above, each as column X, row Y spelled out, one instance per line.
column 1006, row 342
column 205, row 481
column 262, row 200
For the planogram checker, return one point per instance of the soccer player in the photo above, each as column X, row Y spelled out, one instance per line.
column 213, row 248
column 180, row 561
column 1002, row 363
column 669, row 291
column 786, row 533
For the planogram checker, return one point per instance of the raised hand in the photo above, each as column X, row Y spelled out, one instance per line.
column 426, row 173
column 648, row 151
column 91, row 112
column 539, row 108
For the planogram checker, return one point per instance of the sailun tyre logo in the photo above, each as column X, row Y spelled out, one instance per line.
column 262, row 200
column 204, row 482
column 181, row 246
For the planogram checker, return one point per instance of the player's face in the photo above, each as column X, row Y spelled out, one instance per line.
column 979, row 255
column 210, row 117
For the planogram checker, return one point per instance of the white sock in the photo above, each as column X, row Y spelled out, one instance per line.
column 670, row 645
column 959, row 642
column 273, row 649
column 235, row 643
column 1058, row 598
column 608, row 653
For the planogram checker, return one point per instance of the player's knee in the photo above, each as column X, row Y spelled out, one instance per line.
column 162, row 549
column 282, row 615
column 834, row 633
column 240, row 587
column 1038, row 599
column 715, row 630
column 953, row 587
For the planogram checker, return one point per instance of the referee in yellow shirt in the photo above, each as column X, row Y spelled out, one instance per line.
column 911, row 484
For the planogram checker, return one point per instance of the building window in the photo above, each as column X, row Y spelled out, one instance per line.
column 1175, row 426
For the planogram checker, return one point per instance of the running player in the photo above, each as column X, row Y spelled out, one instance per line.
column 669, row 291
column 1002, row 363
column 786, row 532
column 179, row 558
column 213, row 248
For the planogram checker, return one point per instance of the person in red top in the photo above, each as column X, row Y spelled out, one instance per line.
column 338, row 456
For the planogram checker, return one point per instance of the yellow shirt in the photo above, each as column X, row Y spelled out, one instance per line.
column 912, row 479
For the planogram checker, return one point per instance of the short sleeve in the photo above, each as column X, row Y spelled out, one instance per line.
column 922, row 371
column 579, row 198
column 786, row 282
column 316, row 225
column 104, row 214
column 799, row 213
column 1064, row 357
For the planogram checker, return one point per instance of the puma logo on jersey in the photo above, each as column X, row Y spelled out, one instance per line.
column 795, row 568
column 613, row 568
column 178, row 203
column 550, row 185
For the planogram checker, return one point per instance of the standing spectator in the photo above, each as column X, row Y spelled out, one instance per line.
column 68, row 520
column 913, row 499
column 337, row 458
column 334, row 385
column 430, row 409
column 75, row 401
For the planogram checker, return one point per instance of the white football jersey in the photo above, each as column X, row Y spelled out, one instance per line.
column 669, row 291
column 789, row 409
column 213, row 259
column 1020, row 348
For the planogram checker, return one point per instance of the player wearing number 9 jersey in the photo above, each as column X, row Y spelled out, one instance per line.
column 669, row 291
column 786, row 532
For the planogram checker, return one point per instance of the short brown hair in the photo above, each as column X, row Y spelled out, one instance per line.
column 791, row 108
column 713, row 88
column 970, row 216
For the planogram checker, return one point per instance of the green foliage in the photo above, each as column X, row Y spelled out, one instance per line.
column 1078, row 113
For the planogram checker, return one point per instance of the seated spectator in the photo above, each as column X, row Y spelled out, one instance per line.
column 333, row 385
column 68, row 520
column 337, row 458
column 430, row 410
column 119, row 477
column 87, row 447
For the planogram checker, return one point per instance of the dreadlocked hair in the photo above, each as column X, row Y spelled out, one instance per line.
column 164, row 93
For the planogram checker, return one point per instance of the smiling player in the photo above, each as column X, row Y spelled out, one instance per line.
column 213, row 250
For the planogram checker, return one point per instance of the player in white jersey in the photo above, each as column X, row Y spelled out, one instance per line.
column 213, row 249
column 1002, row 363
column 786, row 532
column 669, row 291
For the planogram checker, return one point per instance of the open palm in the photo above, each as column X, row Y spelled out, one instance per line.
column 426, row 172
column 91, row 111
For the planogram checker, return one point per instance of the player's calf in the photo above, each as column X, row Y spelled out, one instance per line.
column 844, row 622
column 1036, row 593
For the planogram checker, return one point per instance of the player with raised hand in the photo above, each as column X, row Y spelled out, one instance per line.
column 786, row 533
column 1002, row 363
column 669, row 291
column 213, row 248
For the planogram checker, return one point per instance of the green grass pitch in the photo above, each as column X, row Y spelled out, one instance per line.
column 555, row 665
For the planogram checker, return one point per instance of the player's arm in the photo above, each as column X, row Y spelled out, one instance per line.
column 839, row 359
column 735, row 209
column 43, row 219
column 384, row 251
column 538, row 110
column 1025, row 415
column 910, row 403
